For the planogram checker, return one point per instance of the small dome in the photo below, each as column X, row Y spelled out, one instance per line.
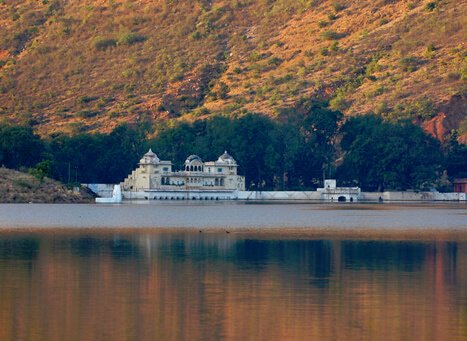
column 226, row 158
column 192, row 158
column 149, row 157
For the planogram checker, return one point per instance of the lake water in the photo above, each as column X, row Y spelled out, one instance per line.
column 233, row 271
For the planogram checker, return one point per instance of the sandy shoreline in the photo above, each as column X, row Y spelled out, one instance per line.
column 385, row 221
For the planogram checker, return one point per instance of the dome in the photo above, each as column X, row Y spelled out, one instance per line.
column 192, row 158
column 149, row 157
column 226, row 158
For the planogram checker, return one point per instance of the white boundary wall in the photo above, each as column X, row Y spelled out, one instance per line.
column 105, row 190
column 412, row 196
column 279, row 195
column 102, row 190
column 180, row 195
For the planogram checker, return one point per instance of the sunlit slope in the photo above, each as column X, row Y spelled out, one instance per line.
column 89, row 65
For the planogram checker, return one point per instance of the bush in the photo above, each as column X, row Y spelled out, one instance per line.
column 339, row 103
column 102, row 44
column 410, row 64
column 87, row 113
column 41, row 170
column 453, row 76
column 431, row 47
column 323, row 23
column 87, row 99
column 275, row 61
column 332, row 35
column 430, row 6
column 131, row 39
column 196, row 35
column 337, row 6
column 334, row 46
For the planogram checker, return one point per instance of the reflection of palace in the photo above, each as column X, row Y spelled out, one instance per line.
column 213, row 286
column 155, row 179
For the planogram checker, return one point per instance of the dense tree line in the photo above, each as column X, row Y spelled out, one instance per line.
column 293, row 151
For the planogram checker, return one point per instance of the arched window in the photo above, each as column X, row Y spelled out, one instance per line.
column 187, row 168
column 191, row 168
column 216, row 182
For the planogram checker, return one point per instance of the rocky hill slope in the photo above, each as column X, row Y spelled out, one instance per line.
column 18, row 187
column 76, row 66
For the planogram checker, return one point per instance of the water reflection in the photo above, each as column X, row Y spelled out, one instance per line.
column 213, row 286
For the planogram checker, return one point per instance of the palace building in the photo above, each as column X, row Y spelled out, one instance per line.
column 155, row 179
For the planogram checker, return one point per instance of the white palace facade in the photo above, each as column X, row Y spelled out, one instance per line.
column 154, row 179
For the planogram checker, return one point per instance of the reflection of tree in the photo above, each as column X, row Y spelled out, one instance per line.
column 213, row 287
column 384, row 255
column 319, row 254
column 121, row 249
column 86, row 246
column 252, row 253
column 19, row 248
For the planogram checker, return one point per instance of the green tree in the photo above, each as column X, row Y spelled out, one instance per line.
column 456, row 157
column 19, row 146
column 318, row 126
column 380, row 155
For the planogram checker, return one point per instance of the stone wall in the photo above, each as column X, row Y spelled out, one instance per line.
column 412, row 196
column 102, row 190
column 279, row 195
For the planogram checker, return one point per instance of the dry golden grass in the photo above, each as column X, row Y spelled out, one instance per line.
column 92, row 65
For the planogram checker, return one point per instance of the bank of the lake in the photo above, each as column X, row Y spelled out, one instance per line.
column 240, row 216
column 20, row 187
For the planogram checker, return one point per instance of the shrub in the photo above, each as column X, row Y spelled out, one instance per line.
column 308, row 53
column 334, row 46
column 279, row 43
column 337, row 6
column 87, row 113
column 87, row 99
column 102, row 44
column 323, row 23
column 410, row 64
column 339, row 103
column 431, row 47
column 196, row 35
column 453, row 76
column 275, row 61
column 331, row 35
column 131, row 39
column 383, row 21
column 430, row 6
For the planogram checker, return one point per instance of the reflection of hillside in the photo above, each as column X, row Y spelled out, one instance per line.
column 211, row 287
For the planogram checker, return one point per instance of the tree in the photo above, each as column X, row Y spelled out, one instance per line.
column 381, row 155
column 456, row 157
column 19, row 147
column 97, row 158
column 318, row 127
column 251, row 145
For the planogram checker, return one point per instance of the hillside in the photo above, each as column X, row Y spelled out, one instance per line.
column 75, row 66
column 18, row 187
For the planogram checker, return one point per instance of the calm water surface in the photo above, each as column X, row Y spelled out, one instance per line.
column 227, row 276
